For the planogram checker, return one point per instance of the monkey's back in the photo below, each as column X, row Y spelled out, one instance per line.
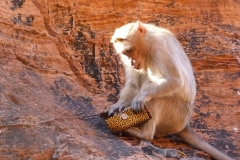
column 163, row 40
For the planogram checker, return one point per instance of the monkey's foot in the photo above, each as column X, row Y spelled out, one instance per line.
column 169, row 153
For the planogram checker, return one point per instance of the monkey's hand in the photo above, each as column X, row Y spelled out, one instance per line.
column 116, row 108
column 139, row 102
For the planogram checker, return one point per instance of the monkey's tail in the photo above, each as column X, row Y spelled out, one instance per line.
column 190, row 137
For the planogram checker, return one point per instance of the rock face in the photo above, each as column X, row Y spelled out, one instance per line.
column 58, row 72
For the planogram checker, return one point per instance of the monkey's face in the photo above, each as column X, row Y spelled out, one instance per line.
column 124, row 47
column 127, row 41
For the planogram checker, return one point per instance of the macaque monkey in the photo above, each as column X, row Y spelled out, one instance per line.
column 159, row 76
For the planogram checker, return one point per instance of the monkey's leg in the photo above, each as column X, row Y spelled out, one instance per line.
column 136, row 132
column 145, row 131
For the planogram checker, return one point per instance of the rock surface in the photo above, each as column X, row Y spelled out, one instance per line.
column 58, row 72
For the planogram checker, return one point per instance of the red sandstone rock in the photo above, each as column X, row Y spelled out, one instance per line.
column 58, row 72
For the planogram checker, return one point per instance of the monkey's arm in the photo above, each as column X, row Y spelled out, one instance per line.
column 127, row 94
column 159, row 87
column 155, row 86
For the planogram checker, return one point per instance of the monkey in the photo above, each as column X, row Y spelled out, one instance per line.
column 160, row 77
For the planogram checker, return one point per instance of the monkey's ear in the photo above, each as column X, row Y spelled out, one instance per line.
column 140, row 28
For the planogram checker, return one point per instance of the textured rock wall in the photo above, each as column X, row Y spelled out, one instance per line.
column 58, row 72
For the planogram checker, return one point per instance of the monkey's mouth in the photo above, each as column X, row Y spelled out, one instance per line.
column 135, row 65
column 138, row 66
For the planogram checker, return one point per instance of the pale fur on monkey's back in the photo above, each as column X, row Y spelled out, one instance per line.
column 171, row 112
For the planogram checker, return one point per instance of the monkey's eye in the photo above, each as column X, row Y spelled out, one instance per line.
column 120, row 40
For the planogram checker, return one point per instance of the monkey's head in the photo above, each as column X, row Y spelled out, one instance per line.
column 129, row 40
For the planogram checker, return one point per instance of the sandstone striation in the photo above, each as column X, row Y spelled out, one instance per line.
column 58, row 72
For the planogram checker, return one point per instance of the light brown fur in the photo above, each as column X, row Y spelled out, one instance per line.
column 159, row 76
